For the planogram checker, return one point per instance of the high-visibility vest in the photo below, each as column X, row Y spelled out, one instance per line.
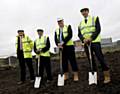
column 88, row 28
column 27, row 45
column 65, row 34
column 41, row 43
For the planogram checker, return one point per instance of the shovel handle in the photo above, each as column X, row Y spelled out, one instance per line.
column 38, row 64
column 90, row 56
column 61, row 69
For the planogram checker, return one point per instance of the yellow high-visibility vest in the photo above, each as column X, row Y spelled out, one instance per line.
column 41, row 43
column 65, row 34
column 88, row 28
column 27, row 45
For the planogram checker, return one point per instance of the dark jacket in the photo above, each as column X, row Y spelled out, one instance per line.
column 18, row 49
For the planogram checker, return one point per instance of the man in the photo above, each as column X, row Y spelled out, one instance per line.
column 89, row 32
column 24, row 46
column 63, row 39
column 41, row 48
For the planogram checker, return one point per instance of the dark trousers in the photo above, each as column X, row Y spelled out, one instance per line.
column 45, row 64
column 68, row 56
column 96, row 49
column 22, row 63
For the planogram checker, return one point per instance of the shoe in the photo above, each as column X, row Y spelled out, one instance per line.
column 107, row 77
column 20, row 82
column 76, row 76
column 65, row 76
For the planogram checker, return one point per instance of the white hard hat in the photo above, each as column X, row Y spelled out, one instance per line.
column 60, row 19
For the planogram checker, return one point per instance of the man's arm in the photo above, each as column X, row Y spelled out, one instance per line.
column 69, row 35
column 47, row 46
column 35, row 49
column 55, row 38
column 98, row 29
column 30, row 42
column 17, row 43
column 80, row 35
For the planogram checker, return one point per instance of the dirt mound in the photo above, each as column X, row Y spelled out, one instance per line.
column 9, row 78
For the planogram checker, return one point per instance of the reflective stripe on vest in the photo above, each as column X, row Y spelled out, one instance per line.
column 88, row 28
column 65, row 34
column 27, row 46
column 41, row 43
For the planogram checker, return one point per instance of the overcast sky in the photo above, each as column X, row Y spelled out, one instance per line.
column 33, row 14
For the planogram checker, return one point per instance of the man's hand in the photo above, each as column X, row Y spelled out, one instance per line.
column 60, row 45
column 87, row 41
column 38, row 51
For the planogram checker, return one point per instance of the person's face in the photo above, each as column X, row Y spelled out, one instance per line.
column 20, row 33
column 61, row 23
column 40, row 33
column 85, row 13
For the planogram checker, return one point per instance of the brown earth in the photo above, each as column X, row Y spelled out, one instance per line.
column 9, row 78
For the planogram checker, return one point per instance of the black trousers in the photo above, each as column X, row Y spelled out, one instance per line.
column 22, row 63
column 45, row 64
column 96, row 49
column 68, row 56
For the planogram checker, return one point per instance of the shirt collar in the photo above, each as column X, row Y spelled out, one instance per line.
column 87, row 17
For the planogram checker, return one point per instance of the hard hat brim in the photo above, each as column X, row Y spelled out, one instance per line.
column 84, row 9
column 20, row 31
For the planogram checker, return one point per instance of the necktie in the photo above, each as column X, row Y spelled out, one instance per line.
column 85, row 20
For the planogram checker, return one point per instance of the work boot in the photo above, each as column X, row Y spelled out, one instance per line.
column 76, row 78
column 65, row 76
column 106, row 77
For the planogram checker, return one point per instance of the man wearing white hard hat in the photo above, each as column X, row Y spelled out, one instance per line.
column 63, row 40
column 24, row 46
column 89, row 33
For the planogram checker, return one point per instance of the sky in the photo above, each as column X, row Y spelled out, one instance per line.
column 30, row 15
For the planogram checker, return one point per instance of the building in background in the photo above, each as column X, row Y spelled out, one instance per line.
column 118, row 43
column 79, row 46
column 106, row 42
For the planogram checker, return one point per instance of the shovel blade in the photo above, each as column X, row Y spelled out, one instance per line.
column 37, row 82
column 92, row 78
column 60, row 80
